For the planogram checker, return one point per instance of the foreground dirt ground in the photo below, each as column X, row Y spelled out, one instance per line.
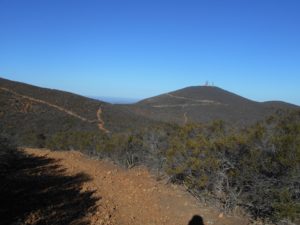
column 133, row 197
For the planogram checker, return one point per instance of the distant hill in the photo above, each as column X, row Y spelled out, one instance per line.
column 27, row 111
column 205, row 103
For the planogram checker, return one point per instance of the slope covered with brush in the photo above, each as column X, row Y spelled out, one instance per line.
column 31, row 114
column 203, row 104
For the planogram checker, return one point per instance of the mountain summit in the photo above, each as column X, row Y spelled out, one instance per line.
column 205, row 103
column 203, row 95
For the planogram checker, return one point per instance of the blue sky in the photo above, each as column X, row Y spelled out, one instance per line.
column 137, row 49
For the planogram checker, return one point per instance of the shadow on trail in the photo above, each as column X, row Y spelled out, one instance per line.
column 35, row 190
column 196, row 220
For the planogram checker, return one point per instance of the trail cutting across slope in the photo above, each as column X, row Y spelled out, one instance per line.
column 194, row 100
column 191, row 102
column 101, row 121
column 134, row 197
column 62, row 109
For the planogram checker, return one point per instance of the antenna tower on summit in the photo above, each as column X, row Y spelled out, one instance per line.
column 208, row 84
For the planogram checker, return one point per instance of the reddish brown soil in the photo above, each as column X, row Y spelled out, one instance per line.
column 134, row 197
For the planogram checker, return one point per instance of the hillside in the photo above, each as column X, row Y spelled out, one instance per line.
column 31, row 114
column 203, row 104
column 28, row 112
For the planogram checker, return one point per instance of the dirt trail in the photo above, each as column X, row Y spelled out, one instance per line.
column 191, row 102
column 69, row 112
column 192, row 99
column 134, row 197
column 101, row 122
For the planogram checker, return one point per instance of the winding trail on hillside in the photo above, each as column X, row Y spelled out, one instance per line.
column 62, row 109
column 192, row 99
column 101, row 123
column 133, row 197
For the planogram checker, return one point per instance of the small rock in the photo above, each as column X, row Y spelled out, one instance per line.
column 107, row 216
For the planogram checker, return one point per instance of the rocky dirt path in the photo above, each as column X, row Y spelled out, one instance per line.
column 134, row 197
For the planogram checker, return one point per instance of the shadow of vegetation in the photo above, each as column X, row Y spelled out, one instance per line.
column 35, row 190
column 196, row 220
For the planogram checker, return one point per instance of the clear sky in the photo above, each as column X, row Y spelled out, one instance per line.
column 137, row 49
